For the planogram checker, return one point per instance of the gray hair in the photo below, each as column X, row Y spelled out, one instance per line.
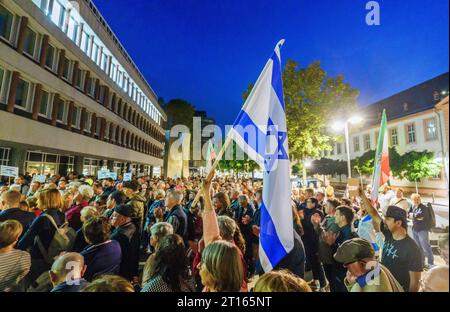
column 227, row 227
column 86, row 191
column 66, row 263
column 161, row 229
column 177, row 195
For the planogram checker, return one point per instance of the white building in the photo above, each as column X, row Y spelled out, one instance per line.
column 414, row 123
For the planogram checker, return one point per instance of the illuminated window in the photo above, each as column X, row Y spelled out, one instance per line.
column 410, row 133
column 394, row 136
column 84, row 42
column 62, row 112
column 72, row 31
column 430, row 129
column 58, row 13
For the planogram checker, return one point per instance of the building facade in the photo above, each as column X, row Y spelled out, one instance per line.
column 414, row 123
column 71, row 98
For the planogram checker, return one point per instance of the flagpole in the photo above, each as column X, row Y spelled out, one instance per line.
column 213, row 167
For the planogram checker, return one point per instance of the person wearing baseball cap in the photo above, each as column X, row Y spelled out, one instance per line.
column 364, row 272
column 400, row 253
column 127, row 235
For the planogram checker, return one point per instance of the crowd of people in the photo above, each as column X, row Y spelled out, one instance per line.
column 80, row 234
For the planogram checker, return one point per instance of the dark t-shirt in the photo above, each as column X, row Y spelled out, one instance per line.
column 421, row 218
column 24, row 217
column 401, row 257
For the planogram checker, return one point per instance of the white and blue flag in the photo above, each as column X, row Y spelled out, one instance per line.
column 260, row 130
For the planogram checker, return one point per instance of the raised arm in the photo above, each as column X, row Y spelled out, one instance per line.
column 373, row 212
column 210, row 226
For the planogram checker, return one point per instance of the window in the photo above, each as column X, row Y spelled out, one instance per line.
column 23, row 88
column 67, row 69
column 97, row 128
column 84, row 42
column 44, row 106
column 91, row 86
column 104, row 62
column 29, row 44
column 58, row 14
column 76, row 116
column 107, row 127
column 338, row 148
column 2, row 76
column 62, row 112
column 87, row 126
column 367, row 142
column 6, row 21
column 430, row 129
column 72, row 30
column 95, row 52
column 410, row 133
column 356, row 146
column 394, row 136
column 80, row 79
column 50, row 59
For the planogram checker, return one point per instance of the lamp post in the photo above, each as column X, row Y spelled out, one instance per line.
column 338, row 127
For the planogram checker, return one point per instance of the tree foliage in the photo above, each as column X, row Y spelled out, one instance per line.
column 312, row 99
column 179, row 112
column 238, row 163
column 418, row 165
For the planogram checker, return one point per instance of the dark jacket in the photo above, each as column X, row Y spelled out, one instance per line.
column 101, row 259
column 294, row 261
column 177, row 217
column 80, row 242
column 24, row 217
column 310, row 237
column 128, row 237
column 421, row 218
column 75, row 287
column 108, row 191
column 43, row 228
column 246, row 229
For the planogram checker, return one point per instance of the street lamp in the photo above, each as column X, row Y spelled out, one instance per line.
column 337, row 127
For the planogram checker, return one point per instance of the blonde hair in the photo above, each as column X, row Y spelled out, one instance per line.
column 50, row 199
column 11, row 197
column 109, row 283
column 88, row 212
column 32, row 202
column 224, row 264
column 415, row 195
column 10, row 230
column 160, row 194
column 281, row 281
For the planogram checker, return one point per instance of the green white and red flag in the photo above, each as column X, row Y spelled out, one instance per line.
column 210, row 156
column 381, row 170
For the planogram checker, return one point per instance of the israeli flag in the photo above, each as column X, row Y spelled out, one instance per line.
column 260, row 130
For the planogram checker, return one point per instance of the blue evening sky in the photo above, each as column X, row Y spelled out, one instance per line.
column 208, row 51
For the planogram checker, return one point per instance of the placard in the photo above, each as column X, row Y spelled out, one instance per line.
column 102, row 174
column 127, row 176
column 112, row 175
column 41, row 178
column 353, row 186
column 8, row 171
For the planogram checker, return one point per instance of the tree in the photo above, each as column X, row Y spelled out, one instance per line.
column 418, row 165
column 328, row 166
column 312, row 97
column 365, row 163
column 179, row 112
column 238, row 164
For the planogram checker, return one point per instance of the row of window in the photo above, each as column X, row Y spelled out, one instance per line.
column 82, row 80
column 75, row 117
column 430, row 130
column 66, row 20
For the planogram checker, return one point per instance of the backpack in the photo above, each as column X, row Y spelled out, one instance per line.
column 62, row 240
column 432, row 215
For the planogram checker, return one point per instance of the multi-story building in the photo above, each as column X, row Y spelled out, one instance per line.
column 414, row 123
column 71, row 98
